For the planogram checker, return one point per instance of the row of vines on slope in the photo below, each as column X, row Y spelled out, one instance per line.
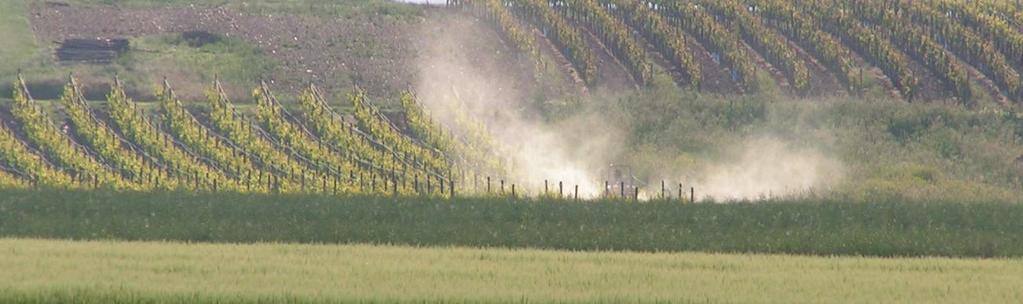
column 57, row 146
column 290, row 175
column 502, row 18
column 945, row 37
column 808, row 35
column 369, row 119
column 716, row 38
column 470, row 150
column 879, row 51
column 132, row 163
column 9, row 179
column 668, row 41
column 367, row 151
column 765, row 41
column 138, row 129
column 519, row 36
column 281, row 125
column 970, row 46
column 915, row 41
column 1006, row 36
column 17, row 155
column 567, row 38
column 126, row 147
column 187, row 129
column 614, row 34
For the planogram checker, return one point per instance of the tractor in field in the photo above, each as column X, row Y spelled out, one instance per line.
column 619, row 181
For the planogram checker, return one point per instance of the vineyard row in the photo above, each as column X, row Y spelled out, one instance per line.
column 273, row 150
column 911, row 43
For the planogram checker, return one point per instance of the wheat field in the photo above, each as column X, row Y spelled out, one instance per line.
column 37, row 271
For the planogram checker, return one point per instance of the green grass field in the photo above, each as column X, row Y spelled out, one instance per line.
column 823, row 227
column 19, row 44
column 38, row 271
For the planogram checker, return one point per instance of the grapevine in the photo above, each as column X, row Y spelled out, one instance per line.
column 57, row 146
column 566, row 37
column 109, row 145
column 15, row 153
column 615, row 35
column 138, row 129
column 183, row 126
column 879, row 51
column 719, row 40
column 669, row 41
column 773, row 46
column 808, row 35
column 914, row 41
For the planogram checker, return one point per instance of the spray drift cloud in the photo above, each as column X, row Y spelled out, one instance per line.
column 458, row 70
column 768, row 167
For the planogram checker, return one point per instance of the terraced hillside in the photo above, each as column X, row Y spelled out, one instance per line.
column 313, row 142
column 920, row 50
column 914, row 50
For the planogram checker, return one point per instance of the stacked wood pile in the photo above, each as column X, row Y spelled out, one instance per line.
column 97, row 50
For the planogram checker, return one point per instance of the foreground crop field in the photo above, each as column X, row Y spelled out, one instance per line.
column 824, row 227
column 132, row 272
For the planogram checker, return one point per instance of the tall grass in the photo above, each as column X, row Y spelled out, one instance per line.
column 884, row 228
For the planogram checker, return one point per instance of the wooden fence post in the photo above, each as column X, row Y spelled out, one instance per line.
column 681, row 196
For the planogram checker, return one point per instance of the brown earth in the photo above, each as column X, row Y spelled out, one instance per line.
column 374, row 53
column 822, row 81
column 715, row 77
column 611, row 73
column 929, row 86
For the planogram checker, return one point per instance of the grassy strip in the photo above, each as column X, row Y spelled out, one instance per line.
column 19, row 44
column 43, row 271
column 818, row 228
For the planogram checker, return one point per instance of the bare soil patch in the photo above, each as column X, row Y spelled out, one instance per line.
column 335, row 54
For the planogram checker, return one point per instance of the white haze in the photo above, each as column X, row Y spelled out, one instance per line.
column 769, row 167
column 454, row 64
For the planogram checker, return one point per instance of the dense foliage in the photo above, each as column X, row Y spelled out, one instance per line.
column 883, row 228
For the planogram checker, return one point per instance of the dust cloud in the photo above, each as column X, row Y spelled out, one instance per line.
column 461, row 72
column 769, row 168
